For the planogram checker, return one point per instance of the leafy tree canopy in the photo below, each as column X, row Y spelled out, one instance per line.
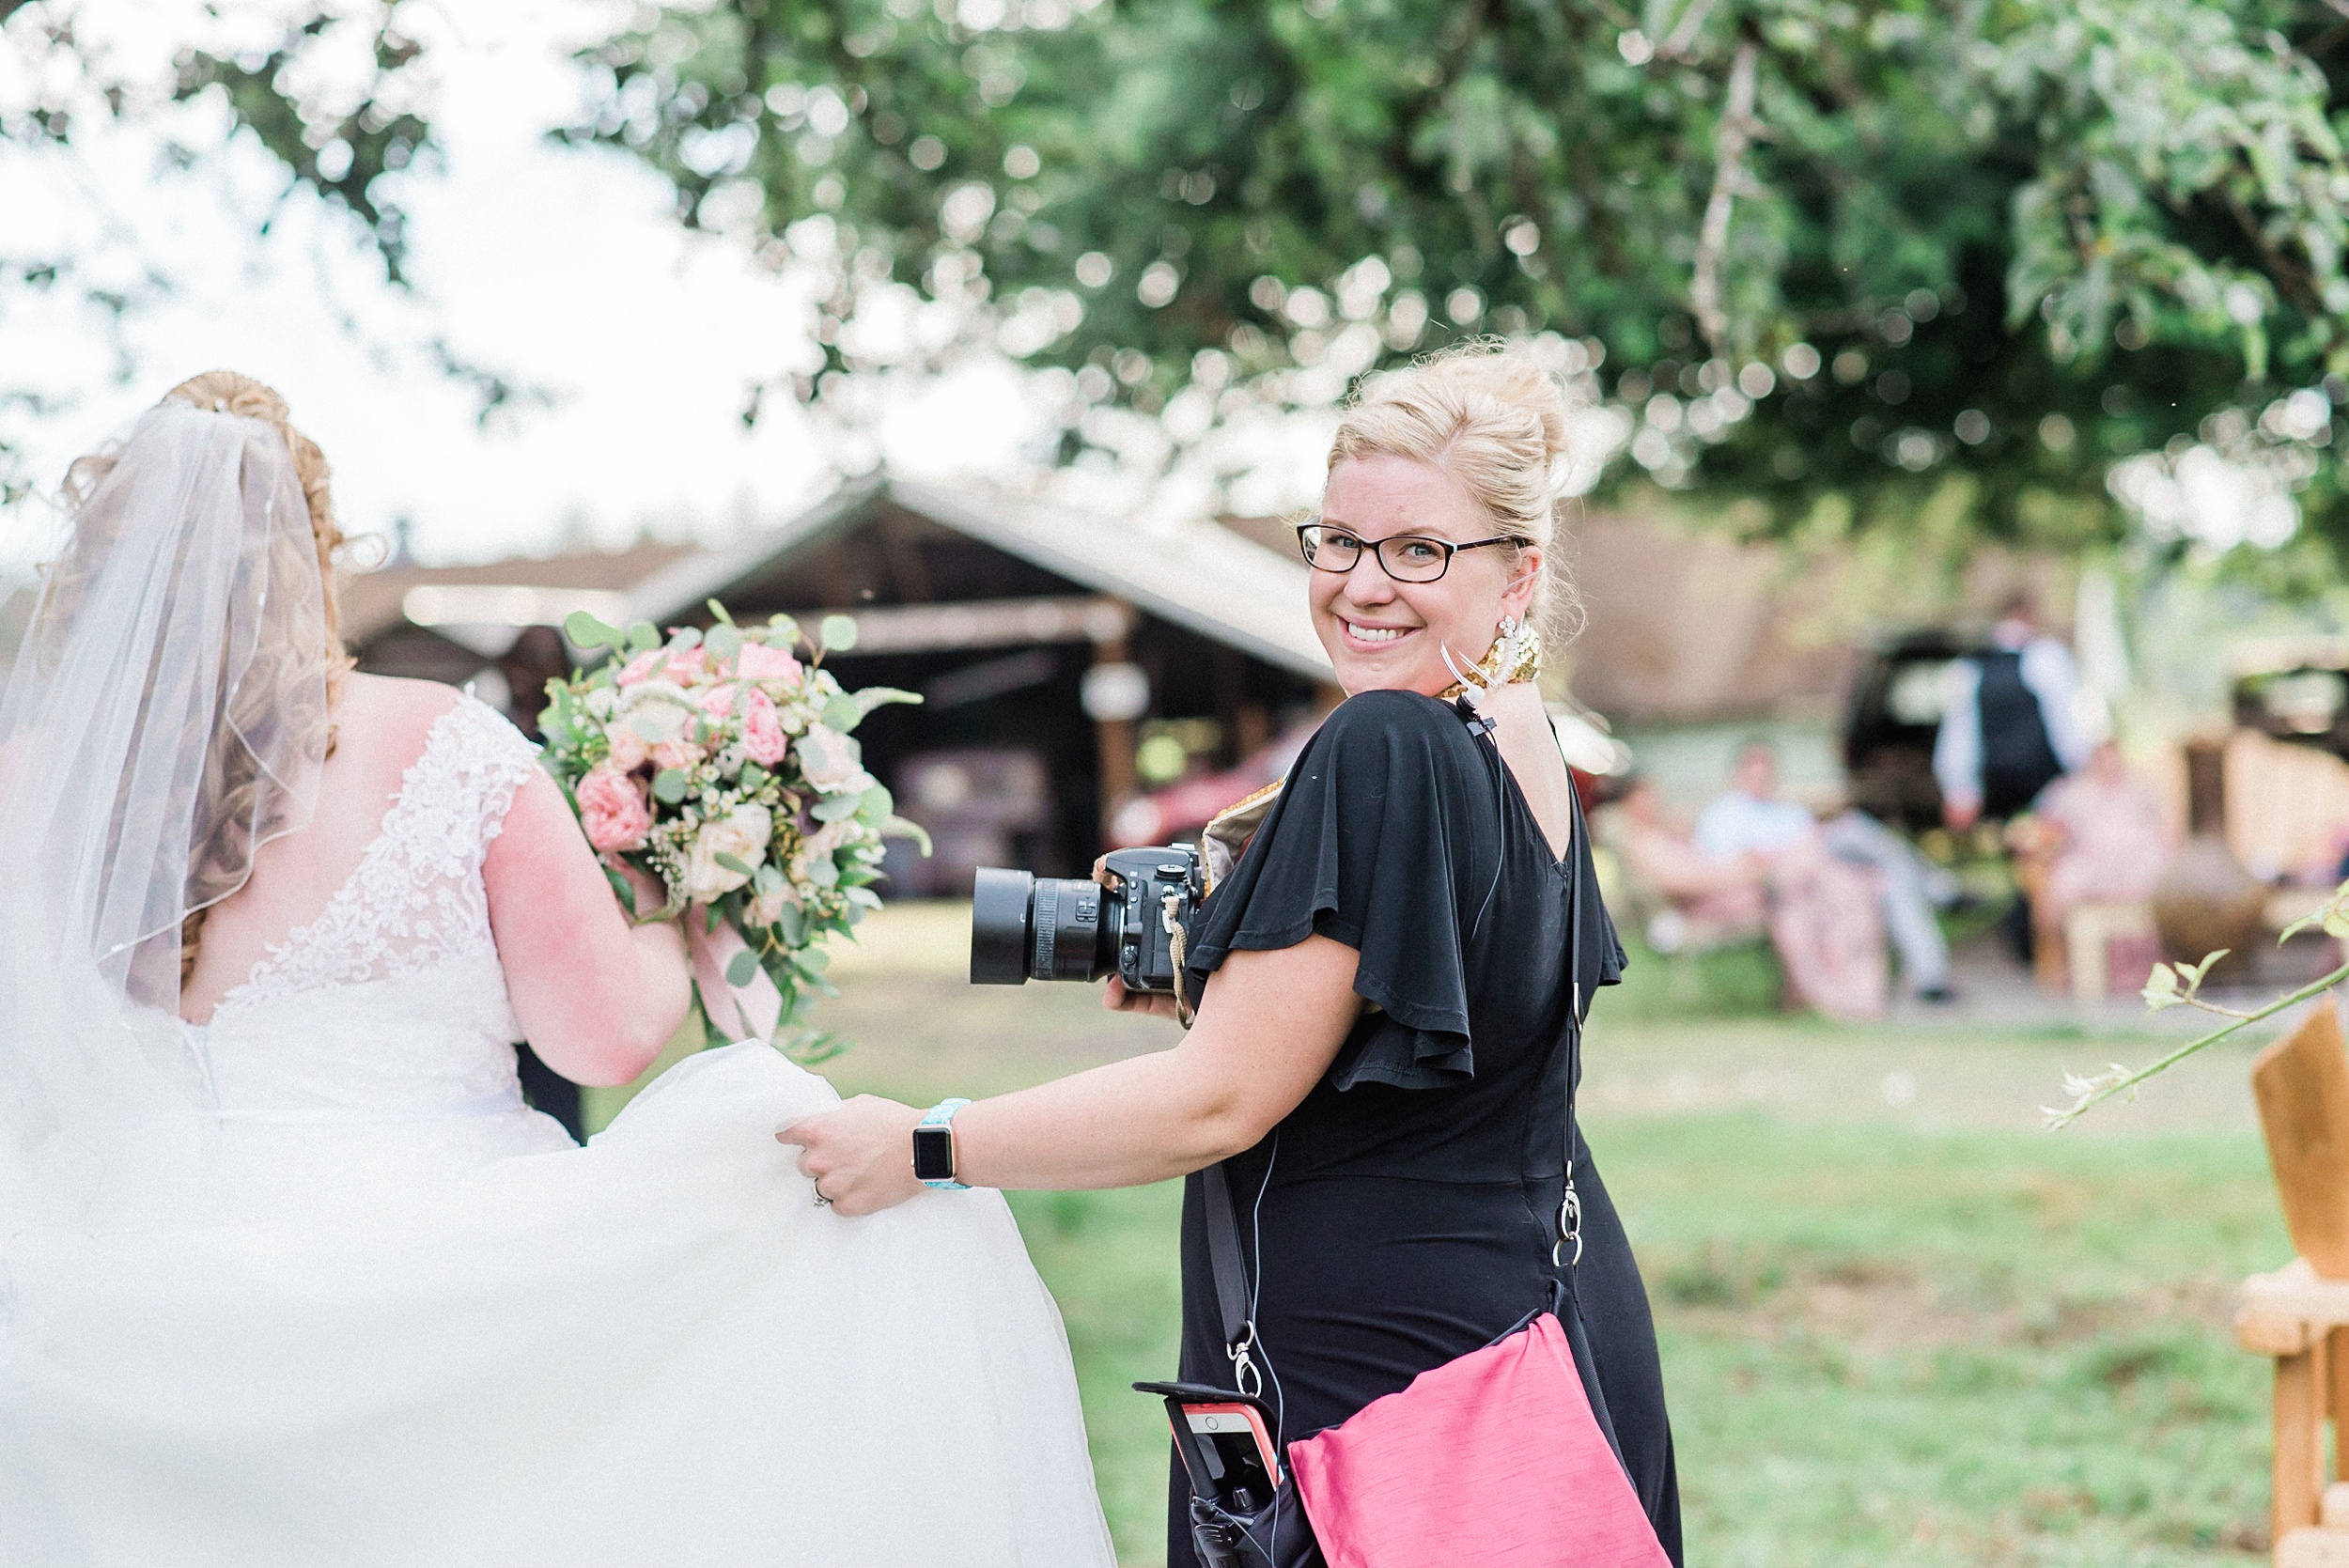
column 1833, row 253
column 1856, row 258
column 334, row 92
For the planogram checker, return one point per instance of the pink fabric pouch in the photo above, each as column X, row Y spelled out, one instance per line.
column 1494, row 1459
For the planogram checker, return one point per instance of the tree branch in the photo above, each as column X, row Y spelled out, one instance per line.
column 2092, row 1092
column 1684, row 33
column 1730, row 139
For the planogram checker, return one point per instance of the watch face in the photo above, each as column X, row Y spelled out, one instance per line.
column 934, row 1154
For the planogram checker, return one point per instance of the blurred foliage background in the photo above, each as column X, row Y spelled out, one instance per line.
column 1847, row 262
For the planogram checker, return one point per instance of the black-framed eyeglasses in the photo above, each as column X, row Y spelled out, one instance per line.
column 1404, row 557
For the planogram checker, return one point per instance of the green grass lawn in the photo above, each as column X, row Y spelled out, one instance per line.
column 1899, row 1324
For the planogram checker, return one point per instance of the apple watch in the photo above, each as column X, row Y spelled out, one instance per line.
column 934, row 1147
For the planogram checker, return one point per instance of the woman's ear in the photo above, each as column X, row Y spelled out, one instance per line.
column 1517, row 597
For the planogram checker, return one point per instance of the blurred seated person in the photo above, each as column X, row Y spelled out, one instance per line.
column 1703, row 902
column 2096, row 836
column 1819, row 913
column 1751, row 819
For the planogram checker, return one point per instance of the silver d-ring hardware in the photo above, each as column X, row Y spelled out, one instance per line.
column 1569, row 1230
column 1244, row 1373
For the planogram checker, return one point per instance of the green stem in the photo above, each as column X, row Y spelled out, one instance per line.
column 2316, row 987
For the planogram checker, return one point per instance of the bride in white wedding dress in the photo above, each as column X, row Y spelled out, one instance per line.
column 290, row 1276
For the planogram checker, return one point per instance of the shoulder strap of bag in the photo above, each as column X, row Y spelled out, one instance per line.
column 1565, row 1251
column 1225, row 1263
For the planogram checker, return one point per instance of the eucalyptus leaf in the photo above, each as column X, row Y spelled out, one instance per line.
column 901, row 826
column 718, row 612
column 643, row 637
column 735, row 864
column 871, row 697
column 837, row 633
column 837, row 808
column 783, row 631
column 668, row 786
column 842, row 714
column 723, row 642
column 586, row 631
column 741, row 967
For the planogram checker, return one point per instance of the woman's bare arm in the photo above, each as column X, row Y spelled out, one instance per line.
column 596, row 996
column 1268, row 1028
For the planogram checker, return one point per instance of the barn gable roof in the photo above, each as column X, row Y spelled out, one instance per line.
column 1189, row 572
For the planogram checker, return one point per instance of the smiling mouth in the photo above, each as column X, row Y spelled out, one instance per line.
column 1375, row 635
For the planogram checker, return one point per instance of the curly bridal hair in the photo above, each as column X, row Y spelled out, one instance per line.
column 1494, row 419
column 233, row 777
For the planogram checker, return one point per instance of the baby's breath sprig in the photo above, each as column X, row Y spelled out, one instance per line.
column 2181, row 986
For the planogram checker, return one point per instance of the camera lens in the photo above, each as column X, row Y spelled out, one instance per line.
column 1025, row 927
column 999, row 902
column 1065, row 929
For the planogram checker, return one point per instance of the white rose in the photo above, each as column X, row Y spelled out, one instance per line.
column 830, row 760
column 766, row 909
column 743, row 834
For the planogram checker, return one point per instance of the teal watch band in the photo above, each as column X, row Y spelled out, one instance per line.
column 934, row 1147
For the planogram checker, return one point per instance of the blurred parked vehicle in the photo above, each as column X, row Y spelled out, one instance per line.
column 1896, row 708
column 2296, row 690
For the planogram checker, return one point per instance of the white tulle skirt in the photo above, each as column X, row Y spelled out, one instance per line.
column 654, row 1352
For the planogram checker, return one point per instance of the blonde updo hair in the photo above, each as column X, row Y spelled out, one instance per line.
column 1495, row 419
column 233, row 778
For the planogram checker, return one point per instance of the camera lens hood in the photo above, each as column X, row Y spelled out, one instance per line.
column 1000, row 906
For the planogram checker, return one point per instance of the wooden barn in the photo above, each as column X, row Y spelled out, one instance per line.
column 1065, row 661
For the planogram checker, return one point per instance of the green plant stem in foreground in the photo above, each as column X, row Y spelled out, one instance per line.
column 2090, row 1092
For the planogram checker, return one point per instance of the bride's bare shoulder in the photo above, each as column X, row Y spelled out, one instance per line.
column 389, row 715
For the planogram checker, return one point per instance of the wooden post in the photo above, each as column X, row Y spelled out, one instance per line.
column 2299, row 1441
column 1113, row 740
column 2337, row 1396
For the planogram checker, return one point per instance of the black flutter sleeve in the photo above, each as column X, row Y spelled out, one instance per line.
column 1371, row 843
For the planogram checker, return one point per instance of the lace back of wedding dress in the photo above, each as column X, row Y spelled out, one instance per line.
column 417, row 901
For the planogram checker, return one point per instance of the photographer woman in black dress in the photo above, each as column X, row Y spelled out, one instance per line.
column 1386, row 980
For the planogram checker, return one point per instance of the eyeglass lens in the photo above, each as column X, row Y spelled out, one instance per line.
column 1406, row 557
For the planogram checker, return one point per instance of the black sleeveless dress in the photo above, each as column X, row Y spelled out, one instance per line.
column 1401, row 1216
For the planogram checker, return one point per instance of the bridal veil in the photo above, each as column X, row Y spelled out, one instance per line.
column 165, row 717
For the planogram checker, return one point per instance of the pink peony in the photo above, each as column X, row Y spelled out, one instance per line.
column 757, row 662
column 612, row 809
column 629, row 749
column 642, row 666
column 718, row 701
column 687, row 666
column 676, row 751
column 762, row 740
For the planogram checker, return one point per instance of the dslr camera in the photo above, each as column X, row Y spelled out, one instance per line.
column 1025, row 927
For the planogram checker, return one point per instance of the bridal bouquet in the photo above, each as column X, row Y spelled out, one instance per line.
column 725, row 764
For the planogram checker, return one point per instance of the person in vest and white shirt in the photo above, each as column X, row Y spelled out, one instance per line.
column 2011, row 727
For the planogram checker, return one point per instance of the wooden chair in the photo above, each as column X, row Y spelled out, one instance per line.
column 2092, row 931
column 2299, row 1314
